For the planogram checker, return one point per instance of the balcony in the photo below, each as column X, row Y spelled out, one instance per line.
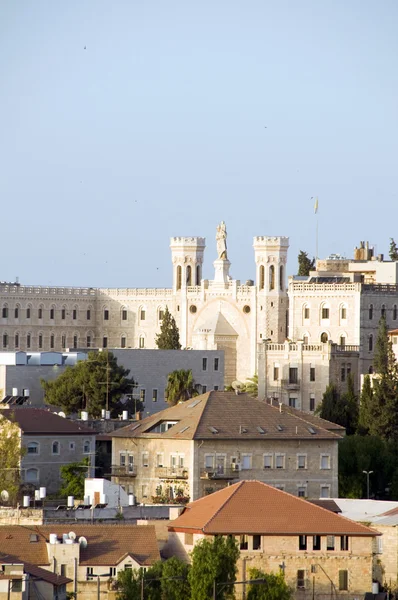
column 219, row 472
column 123, row 471
column 288, row 384
column 171, row 472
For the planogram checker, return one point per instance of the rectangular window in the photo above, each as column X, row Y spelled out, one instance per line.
column 40, row 341
column 244, row 542
column 188, row 539
column 122, row 460
column 131, row 463
column 16, row 340
column 145, row 459
column 40, row 313
column 104, row 342
column 106, row 315
column 307, row 312
column 142, row 395
column 52, row 341
column 142, row 315
column 145, row 491
column 344, row 543
column 75, row 341
column 63, row 341
column 256, row 542
column 325, row 491
column 159, row 460
column 63, row 571
column 204, row 389
column 16, row 312
column 154, row 395
column 246, row 461
column 209, row 461
column 301, row 461
column 316, row 542
column 343, row 373
column 293, row 402
column 343, row 313
column 88, row 341
column 72, row 446
column 88, row 314
column 312, row 373
column 89, row 573
column 16, row 585
column 216, row 361
column 330, row 542
column 276, row 373
column 5, row 312
column 5, row 340
column 301, row 579
column 280, row 461
column 28, row 340
column 52, row 311
column 267, row 461
column 293, row 375
column 215, row 388
column 379, row 545
column 28, row 313
column 124, row 315
column 325, row 313
column 325, row 461
column 312, row 403
column 301, row 492
column 123, row 342
column 63, row 314
column 74, row 314
column 204, row 364
column 302, row 542
column 161, row 313
column 343, row 581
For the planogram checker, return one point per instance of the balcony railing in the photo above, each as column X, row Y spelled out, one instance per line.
column 124, row 471
column 287, row 384
column 171, row 472
column 219, row 473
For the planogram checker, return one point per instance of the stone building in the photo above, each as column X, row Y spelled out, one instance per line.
column 322, row 554
column 219, row 314
column 200, row 446
column 50, row 441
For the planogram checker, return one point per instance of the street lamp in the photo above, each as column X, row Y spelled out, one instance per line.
column 98, row 575
column 367, row 473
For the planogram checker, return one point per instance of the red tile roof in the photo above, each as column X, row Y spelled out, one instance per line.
column 225, row 415
column 36, row 421
column 253, row 507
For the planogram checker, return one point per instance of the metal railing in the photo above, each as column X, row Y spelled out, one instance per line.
column 123, row 471
column 219, row 473
column 171, row 472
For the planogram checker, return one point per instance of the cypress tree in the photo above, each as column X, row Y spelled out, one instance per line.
column 393, row 250
column 169, row 336
column 305, row 264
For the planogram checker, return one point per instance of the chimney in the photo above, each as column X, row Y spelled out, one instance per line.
column 138, row 416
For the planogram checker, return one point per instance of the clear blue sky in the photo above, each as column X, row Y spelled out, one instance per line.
column 123, row 123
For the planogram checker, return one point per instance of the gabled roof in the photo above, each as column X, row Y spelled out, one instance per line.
column 253, row 507
column 226, row 415
column 107, row 544
column 39, row 421
column 218, row 325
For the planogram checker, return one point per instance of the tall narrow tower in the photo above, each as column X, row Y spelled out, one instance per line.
column 272, row 300
column 187, row 256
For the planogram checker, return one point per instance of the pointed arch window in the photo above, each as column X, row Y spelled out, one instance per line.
column 5, row 340
column 4, row 312
column 370, row 343
column 370, row 312
column 179, row 277
column 272, row 277
column 281, row 277
column 262, row 277
column 123, row 341
column 324, row 337
column 383, row 311
column 198, row 277
column 52, row 341
column 394, row 312
column 16, row 340
column 16, row 311
column 189, row 275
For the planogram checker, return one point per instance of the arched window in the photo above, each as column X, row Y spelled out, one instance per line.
column 40, row 311
column 141, row 342
column 16, row 311
column 106, row 313
column 105, row 341
column 86, row 447
column 370, row 370
column 370, row 343
column 370, row 312
column 306, row 312
column 89, row 339
column 63, row 313
column 394, row 312
column 63, row 340
column 383, row 311
column 272, row 277
column 261, row 277
column 74, row 312
column 325, row 311
column 33, row 448
column 324, row 337
column 52, row 341
column 52, row 312
column 142, row 313
column 4, row 311
column 16, row 340
column 198, row 275
column 88, row 312
column 343, row 312
column 189, row 275
column 55, row 448
column 28, row 340
column 28, row 311
column 40, row 341
column 305, row 339
column 281, row 275
column 123, row 313
column 123, row 341
column 5, row 340
column 32, row 475
column 160, row 313
column 179, row 277
column 342, row 340
column 75, row 341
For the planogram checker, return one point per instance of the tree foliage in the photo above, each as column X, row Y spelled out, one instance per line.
column 213, row 560
column 305, row 264
column 393, row 250
column 251, row 386
column 163, row 581
column 169, row 336
column 173, row 588
column 273, row 588
column 73, row 476
column 180, row 386
column 11, row 454
column 84, row 386
column 340, row 408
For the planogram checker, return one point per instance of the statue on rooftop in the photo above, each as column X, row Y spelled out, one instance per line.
column 221, row 238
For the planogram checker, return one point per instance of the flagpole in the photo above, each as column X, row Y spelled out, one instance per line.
column 316, row 227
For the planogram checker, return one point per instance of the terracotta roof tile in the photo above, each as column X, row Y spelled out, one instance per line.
column 107, row 544
column 225, row 415
column 253, row 507
column 40, row 421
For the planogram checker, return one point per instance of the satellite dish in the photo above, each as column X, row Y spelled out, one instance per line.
column 62, row 414
column 4, row 495
column 83, row 542
column 72, row 535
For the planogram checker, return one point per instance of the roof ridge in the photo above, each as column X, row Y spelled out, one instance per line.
column 293, row 414
column 238, row 486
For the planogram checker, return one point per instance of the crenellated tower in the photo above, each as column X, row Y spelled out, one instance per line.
column 187, row 257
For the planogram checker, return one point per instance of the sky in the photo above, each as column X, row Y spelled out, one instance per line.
column 126, row 122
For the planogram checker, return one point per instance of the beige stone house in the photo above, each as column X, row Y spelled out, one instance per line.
column 24, row 581
column 107, row 549
column 320, row 553
column 50, row 441
column 202, row 445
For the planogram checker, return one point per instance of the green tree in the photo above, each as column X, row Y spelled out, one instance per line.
column 88, row 385
column 180, row 386
column 11, row 454
column 129, row 585
column 305, row 264
column 175, row 584
column 73, row 476
column 393, row 250
column 213, row 560
column 365, row 407
column 251, row 386
column 340, row 408
column 273, row 588
column 169, row 336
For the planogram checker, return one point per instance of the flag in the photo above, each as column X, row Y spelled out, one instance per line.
column 316, row 205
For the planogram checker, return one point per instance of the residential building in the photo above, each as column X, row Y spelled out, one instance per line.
column 24, row 581
column 50, row 441
column 199, row 446
column 319, row 552
column 297, row 374
column 90, row 556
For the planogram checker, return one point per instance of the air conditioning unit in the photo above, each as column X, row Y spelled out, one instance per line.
column 235, row 466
